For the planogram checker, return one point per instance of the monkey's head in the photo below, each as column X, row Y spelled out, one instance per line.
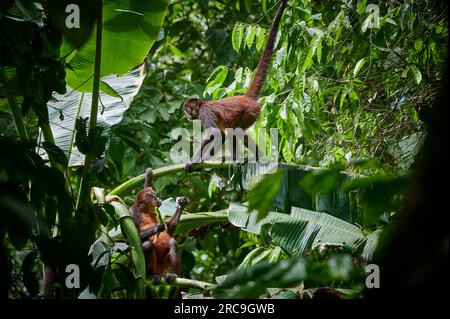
column 192, row 108
column 148, row 197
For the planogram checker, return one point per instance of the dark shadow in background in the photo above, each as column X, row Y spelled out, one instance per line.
column 413, row 258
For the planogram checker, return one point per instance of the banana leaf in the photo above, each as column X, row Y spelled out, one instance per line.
column 65, row 109
column 301, row 230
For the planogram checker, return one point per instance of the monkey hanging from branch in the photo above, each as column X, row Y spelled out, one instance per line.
column 237, row 111
column 160, row 248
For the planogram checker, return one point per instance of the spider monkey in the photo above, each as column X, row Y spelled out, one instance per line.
column 159, row 247
column 233, row 112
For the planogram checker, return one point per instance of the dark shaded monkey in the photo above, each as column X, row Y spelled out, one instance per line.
column 159, row 246
column 237, row 111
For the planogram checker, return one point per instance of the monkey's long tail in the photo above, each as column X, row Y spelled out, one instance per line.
column 255, row 86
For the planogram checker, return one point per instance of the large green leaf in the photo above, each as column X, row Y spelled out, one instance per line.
column 320, row 228
column 65, row 109
column 301, row 230
column 239, row 216
column 129, row 30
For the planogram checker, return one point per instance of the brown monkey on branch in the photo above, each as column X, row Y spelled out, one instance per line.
column 233, row 112
column 160, row 248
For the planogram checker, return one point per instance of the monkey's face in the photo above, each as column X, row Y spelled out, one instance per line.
column 192, row 108
column 148, row 196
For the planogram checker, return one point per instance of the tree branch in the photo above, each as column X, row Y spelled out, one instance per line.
column 186, row 283
column 138, row 181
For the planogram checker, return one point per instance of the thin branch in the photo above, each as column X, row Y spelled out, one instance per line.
column 138, row 181
column 186, row 283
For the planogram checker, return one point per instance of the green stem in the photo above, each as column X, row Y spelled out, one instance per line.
column 97, row 68
column 193, row 220
column 138, row 181
column 83, row 197
column 137, row 254
column 186, row 283
column 18, row 119
column 48, row 134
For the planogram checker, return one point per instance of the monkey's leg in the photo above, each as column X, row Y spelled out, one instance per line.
column 174, row 258
column 144, row 234
column 147, row 247
column 234, row 147
column 173, row 222
column 198, row 154
column 211, row 149
column 203, row 153
column 252, row 146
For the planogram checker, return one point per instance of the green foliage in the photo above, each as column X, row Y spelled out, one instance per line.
column 340, row 90
column 379, row 194
column 40, row 200
column 65, row 110
column 300, row 230
column 263, row 194
column 125, row 24
column 253, row 281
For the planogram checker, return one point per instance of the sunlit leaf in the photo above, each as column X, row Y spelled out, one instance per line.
column 237, row 36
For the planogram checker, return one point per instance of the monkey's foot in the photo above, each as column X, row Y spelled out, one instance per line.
column 160, row 227
column 189, row 167
column 156, row 279
column 170, row 277
column 182, row 201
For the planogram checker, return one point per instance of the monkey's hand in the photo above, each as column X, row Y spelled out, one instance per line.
column 160, row 227
column 156, row 279
column 189, row 167
column 170, row 277
column 182, row 201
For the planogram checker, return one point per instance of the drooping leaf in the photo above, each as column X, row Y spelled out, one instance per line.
column 250, row 36
column 237, row 36
column 358, row 66
column 303, row 229
column 76, row 104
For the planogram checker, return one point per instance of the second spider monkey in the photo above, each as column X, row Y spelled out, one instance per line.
column 159, row 246
column 237, row 111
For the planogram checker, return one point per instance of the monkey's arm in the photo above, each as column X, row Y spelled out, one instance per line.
column 209, row 120
column 173, row 222
column 174, row 256
column 146, row 233
column 198, row 154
